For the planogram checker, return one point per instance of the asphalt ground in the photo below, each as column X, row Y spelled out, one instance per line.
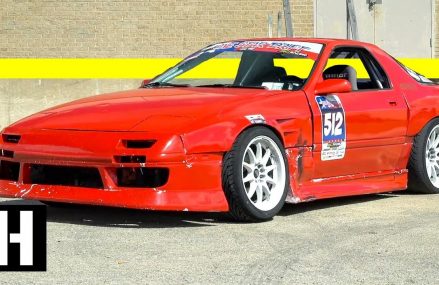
column 376, row 239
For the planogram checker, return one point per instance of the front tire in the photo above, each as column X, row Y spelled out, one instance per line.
column 424, row 160
column 255, row 175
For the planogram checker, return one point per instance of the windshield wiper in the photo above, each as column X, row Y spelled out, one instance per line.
column 163, row 84
column 230, row 86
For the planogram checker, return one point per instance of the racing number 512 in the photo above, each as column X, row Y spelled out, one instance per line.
column 332, row 124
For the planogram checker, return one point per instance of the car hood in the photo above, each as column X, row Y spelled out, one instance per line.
column 155, row 109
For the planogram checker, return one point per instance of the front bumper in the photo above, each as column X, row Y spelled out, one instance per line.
column 193, row 184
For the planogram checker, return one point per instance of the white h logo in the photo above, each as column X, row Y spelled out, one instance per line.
column 24, row 238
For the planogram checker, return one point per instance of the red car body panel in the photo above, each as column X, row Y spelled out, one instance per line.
column 192, row 128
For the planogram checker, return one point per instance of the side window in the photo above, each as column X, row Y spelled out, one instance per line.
column 358, row 66
column 375, row 68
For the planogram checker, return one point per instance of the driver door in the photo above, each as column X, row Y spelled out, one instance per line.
column 362, row 131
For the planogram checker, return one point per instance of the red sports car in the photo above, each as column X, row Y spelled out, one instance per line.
column 290, row 120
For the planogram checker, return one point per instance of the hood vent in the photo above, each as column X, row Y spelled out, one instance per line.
column 138, row 143
column 11, row 138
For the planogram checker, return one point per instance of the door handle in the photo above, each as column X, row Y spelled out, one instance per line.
column 392, row 102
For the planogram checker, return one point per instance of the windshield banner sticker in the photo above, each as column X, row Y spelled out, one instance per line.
column 303, row 49
column 333, row 127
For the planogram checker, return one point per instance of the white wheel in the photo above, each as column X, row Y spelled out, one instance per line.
column 424, row 160
column 263, row 173
column 255, row 175
column 432, row 156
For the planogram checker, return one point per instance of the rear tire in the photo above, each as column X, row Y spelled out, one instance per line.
column 424, row 160
column 255, row 176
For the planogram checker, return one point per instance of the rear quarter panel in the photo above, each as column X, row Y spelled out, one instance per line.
column 422, row 100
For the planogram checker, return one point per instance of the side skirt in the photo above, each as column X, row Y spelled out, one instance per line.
column 350, row 185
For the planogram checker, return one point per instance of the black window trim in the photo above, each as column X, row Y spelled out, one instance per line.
column 362, row 49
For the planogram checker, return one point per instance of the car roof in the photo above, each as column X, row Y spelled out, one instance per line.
column 324, row 41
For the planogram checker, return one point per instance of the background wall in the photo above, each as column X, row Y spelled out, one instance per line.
column 124, row 29
column 135, row 28
column 22, row 97
column 120, row 29
column 437, row 28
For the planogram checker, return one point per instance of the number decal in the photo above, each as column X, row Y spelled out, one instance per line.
column 327, row 124
column 333, row 123
column 333, row 127
column 339, row 119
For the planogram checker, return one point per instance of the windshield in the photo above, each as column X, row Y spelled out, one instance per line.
column 273, row 65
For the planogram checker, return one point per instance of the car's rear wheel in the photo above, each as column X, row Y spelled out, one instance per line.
column 424, row 160
column 255, row 175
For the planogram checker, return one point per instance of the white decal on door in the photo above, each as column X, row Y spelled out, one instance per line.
column 333, row 127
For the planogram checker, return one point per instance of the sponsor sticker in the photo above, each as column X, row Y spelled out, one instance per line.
column 333, row 127
column 256, row 119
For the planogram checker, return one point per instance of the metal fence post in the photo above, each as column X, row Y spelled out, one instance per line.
column 352, row 21
column 288, row 20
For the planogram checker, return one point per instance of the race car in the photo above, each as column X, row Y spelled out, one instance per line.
column 241, row 127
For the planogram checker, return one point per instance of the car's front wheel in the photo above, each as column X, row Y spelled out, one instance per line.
column 424, row 160
column 255, row 175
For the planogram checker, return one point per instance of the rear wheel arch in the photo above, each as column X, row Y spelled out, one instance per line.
column 421, row 160
column 417, row 123
column 421, row 127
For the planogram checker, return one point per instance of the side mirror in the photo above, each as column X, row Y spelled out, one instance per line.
column 144, row 82
column 329, row 86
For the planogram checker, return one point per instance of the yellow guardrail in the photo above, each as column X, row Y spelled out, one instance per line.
column 11, row 68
